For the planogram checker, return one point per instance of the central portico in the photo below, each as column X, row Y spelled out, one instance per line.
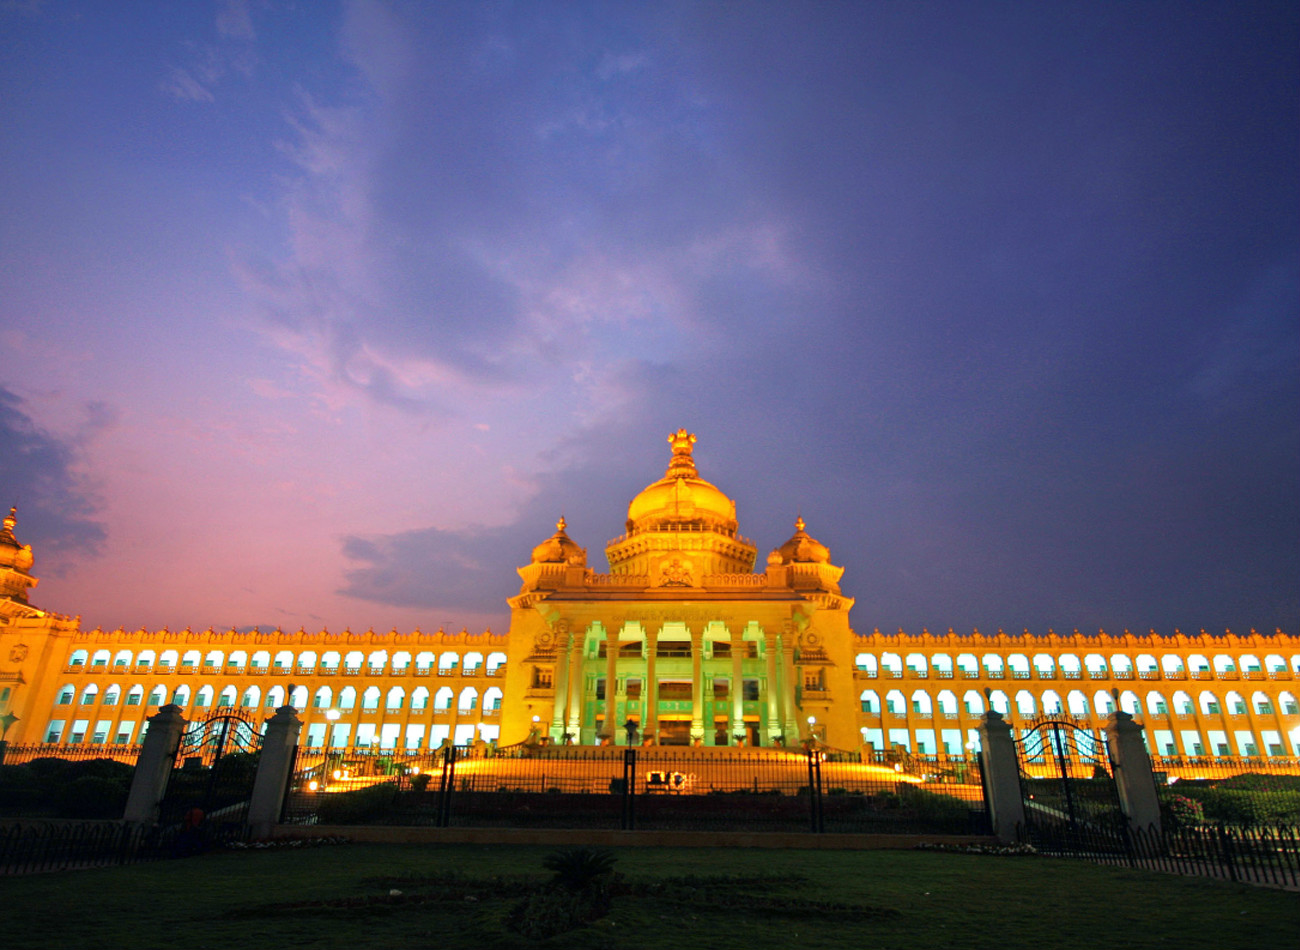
column 681, row 642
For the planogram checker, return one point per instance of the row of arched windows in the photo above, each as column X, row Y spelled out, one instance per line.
column 1075, row 703
column 252, row 697
column 307, row 661
column 1069, row 664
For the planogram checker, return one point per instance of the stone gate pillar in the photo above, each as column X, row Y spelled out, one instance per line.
column 608, row 727
column 1134, row 780
column 273, row 768
column 1001, row 776
column 154, row 766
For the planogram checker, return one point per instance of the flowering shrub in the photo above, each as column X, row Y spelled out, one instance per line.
column 281, row 844
column 998, row 849
column 1179, row 811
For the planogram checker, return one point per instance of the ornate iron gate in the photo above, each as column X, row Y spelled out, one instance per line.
column 1068, row 783
column 216, row 762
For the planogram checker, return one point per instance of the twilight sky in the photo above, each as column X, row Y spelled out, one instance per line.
column 321, row 313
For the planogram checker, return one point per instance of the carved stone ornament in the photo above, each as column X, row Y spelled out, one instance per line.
column 18, row 653
column 675, row 574
column 811, row 640
column 545, row 641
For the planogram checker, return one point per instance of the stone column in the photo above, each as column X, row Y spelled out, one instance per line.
column 273, row 771
column 1134, row 780
column 775, row 713
column 577, row 640
column 650, row 688
column 560, row 683
column 608, row 729
column 154, row 767
column 737, row 683
column 790, row 719
column 1001, row 776
column 697, row 685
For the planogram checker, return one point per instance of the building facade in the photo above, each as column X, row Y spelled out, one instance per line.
column 680, row 642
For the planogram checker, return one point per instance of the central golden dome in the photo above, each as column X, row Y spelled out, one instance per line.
column 681, row 497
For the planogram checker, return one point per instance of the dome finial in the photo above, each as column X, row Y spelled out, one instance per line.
column 561, row 525
column 799, row 524
column 682, row 464
column 12, row 518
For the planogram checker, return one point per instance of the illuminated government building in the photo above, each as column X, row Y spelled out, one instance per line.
column 680, row 642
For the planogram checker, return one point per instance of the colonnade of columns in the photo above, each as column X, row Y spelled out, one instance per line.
column 777, row 678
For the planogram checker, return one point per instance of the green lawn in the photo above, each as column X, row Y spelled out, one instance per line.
column 814, row 899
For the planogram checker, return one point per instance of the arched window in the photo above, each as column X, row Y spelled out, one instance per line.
column 145, row 659
column 78, row 659
column 1289, row 706
column 352, row 662
column 895, row 703
column 89, row 694
column 1197, row 663
column 1044, row 665
column 492, row 699
column 1172, row 663
column 370, row 698
column 1274, row 663
column 330, row 660
column 66, row 694
column 1019, row 666
column 401, row 661
column 322, row 698
column 941, row 663
column 1095, row 664
column 122, row 660
column 442, row 700
column 1122, row 666
column 1236, row 705
column 213, row 660
column 1025, row 704
column 347, row 697
column 1051, row 703
column 1077, row 703
column 917, row 665
column 275, row 697
column 203, row 698
column 447, row 662
column 1156, row 704
column 307, row 661
column 261, row 660
column 472, row 662
column 1224, row 664
column 1209, row 703
column 227, row 698
column 419, row 698
column 158, row 695
column 468, row 699
column 252, row 696
column 865, row 662
column 1263, row 705
column 993, row 665
column 1128, row 702
column 423, row 662
column 947, row 704
column 298, row 698
column 1146, row 664
column 283, row 660
column 100, row 660
column 182, row 696
column 998, row 702
column 396, row 696
column 237, row 660
column 921, row 703
column 973, row 702
column 1102, row 702
column 494, row 663
column 190, row 659
column 1070, row 666
column 135, row 695
column 377, row 661
column 969, row 665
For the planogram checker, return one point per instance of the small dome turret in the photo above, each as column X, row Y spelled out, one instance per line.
column 559, row 548
column 801, row 548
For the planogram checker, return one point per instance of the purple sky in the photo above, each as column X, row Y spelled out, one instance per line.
column 320, row 314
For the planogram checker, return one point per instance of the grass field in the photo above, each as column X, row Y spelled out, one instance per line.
column 460, row 896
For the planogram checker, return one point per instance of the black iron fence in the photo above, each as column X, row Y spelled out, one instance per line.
column 1248, row 855
column 22, row 754
column 652, row 788
column 28, row 847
